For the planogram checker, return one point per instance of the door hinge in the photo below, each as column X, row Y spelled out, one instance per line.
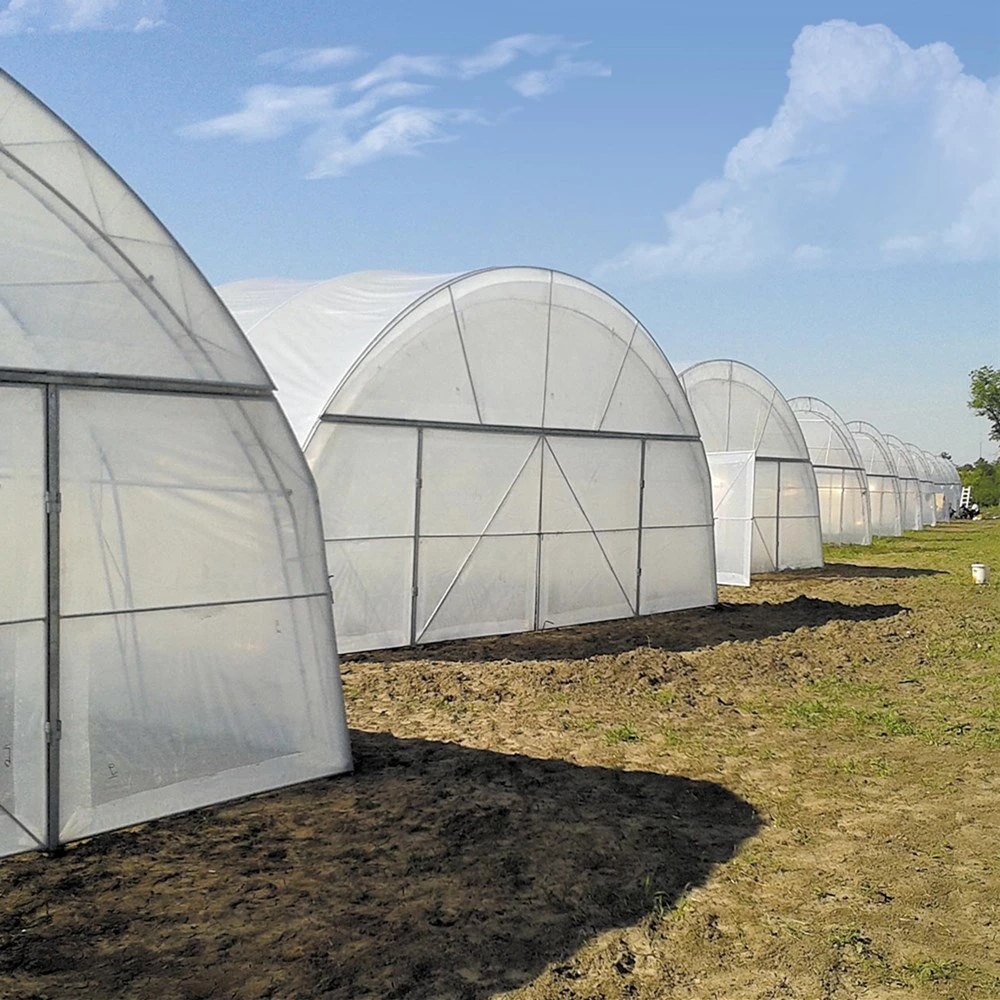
column 53, row 503
column 53, row 733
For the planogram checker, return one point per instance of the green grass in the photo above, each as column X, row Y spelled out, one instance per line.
column 622, row 733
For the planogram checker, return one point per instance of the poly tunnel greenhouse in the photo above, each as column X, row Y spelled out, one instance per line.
column 165, row 631
column 765, row 499
column 909, row 484
column 840, row 474
column 925, row 481
column 884, row 500
column 497, row 451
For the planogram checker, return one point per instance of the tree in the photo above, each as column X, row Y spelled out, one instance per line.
column 945, row 455
column 985, row 397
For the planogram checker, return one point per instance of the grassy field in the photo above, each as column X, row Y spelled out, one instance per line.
column 794, row 795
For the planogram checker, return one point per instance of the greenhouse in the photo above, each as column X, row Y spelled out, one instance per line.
column 947, row 485
column 763, row 485
column 840, row 473
column 165, row 631
column 884, row 500
column 925, row 479
column 497, row 451
column 909, row 484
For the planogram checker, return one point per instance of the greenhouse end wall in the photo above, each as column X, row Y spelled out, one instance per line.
column 166, row 636
column 739, row 411
column 509, row 451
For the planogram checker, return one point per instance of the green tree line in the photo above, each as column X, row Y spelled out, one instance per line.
column 984, row 478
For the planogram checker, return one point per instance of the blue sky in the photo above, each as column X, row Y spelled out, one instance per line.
column 812, row 188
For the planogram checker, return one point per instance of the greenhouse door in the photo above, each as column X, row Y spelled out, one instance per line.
column 732, row 501
column 24, row 598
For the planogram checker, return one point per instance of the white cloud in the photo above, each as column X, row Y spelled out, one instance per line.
column 268, row 111
column 540, row 82
column 400, row 131
column 20, row 16
column 312, row 60
column 504, row 51
column 878, row 153
column 397, row 67
column 376, row 115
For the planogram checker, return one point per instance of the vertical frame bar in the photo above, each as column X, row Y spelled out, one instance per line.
column 418, row 486
column 638, row 553
column 542, row 444
column 777, row 520
column 53, row 726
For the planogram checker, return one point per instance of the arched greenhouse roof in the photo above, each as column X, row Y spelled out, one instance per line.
column 739, row 409
column 509, row 346
column 876, row 455
column 829, row 440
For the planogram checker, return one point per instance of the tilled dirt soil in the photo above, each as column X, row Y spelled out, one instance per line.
column 796, row 794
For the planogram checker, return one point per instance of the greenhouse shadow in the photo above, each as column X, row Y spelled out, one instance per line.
column 850, row 571
column 672, row 632
column 435, row 871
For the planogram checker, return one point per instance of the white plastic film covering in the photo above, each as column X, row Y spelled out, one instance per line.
column 884, row 499
column 841, row 479
column 22, row 619
column 89, row 279
column 911, row 499
column 925, row 481
column 196, row 645
column 448, row 509
column 738, row 409
column 733, row 492
column 522, row 346
column 194, row 659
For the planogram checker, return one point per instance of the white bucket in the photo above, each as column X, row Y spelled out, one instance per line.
column 980, row 572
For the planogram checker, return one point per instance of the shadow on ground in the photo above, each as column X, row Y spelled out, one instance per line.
column 435, row 871
column 674, row 632
column 851, row 571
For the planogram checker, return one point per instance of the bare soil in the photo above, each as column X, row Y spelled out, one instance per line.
column 793, row 795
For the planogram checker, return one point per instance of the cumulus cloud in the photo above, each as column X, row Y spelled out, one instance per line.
column 312, row 60
column 385, row 111
column 878, row 153
column 21, row 16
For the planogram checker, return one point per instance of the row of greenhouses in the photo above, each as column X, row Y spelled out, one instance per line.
column 204, row 495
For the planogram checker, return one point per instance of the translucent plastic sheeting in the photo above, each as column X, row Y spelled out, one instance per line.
column 909, row 485
column 427, row 407
column 195, row 637
column 738, row 409
column 884, row 499
column 733, row 492
column 22, row 619
column 91, row 282
column 165, row 615
column 840, row 475
column 925, row 485
column 521, row 346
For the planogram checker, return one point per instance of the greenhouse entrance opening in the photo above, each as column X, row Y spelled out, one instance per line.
column 732, row 497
